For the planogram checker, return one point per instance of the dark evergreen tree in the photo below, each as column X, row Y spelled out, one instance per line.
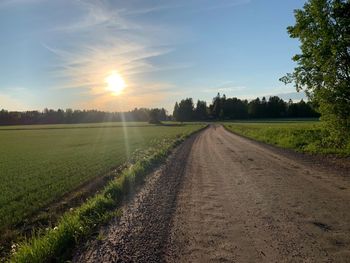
column 186, row 110
column 201, row 111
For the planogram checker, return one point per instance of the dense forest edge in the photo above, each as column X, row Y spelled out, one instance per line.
column 221, row 108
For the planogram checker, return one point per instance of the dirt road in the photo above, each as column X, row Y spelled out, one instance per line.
column 223, row 198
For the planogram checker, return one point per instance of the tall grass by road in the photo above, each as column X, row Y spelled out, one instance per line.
column 302, row 136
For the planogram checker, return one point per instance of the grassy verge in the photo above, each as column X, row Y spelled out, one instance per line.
column 56, row 244
column 302, row 136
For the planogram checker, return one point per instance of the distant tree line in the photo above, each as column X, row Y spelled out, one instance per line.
column 223, row 108
column 50, row 116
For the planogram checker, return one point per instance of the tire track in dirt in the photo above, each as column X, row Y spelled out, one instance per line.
column 141, row 233
column 223, row 198
column 241, row 202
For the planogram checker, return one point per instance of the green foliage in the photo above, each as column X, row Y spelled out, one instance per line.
column 223, row 108
column 184, row 111
column 201, row 112
column 216, row 108
column 176, row 111
column 323, row 67
column 303, row 136
column 57, row 243
column 50, row 116
column 39, row 164
column 156, row 116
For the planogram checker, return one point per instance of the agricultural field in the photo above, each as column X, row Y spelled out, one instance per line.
column 41, row 163
column 300, row 135
column 77, row 126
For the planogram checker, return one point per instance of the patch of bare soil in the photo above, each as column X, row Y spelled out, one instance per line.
column 224, row 198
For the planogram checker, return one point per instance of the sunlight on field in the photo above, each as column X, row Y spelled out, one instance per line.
column 40, row 163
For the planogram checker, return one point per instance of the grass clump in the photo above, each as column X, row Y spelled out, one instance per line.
column 56, row 244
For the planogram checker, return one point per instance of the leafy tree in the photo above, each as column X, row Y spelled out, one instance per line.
column 234, row 108
column 253, row 108
column 201, row 110
column 323, row 67
column 216, row 109
column 157, row 115
column 258, row 108
column 263, row 109
column 292, row 109
column 76, row 116
column 185, row 110
column 176, row 111
column 276, row 107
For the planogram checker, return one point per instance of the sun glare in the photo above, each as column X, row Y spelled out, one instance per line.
column 115, row 83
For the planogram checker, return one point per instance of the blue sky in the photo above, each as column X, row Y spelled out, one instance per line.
column 58, row 53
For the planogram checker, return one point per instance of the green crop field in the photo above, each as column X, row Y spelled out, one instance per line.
column 303, row 136
column 76, row 126
column 40, row 163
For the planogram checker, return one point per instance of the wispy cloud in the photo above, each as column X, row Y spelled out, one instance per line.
column 90, row 64
column 227, row 86
column 152, row 9
column 100, row 36
column 108, row 40
column 95, row 15
column 151, row 95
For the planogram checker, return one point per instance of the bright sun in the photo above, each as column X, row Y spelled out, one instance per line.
column 116, row 83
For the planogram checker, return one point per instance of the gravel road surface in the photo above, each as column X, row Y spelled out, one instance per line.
column 224, row 198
